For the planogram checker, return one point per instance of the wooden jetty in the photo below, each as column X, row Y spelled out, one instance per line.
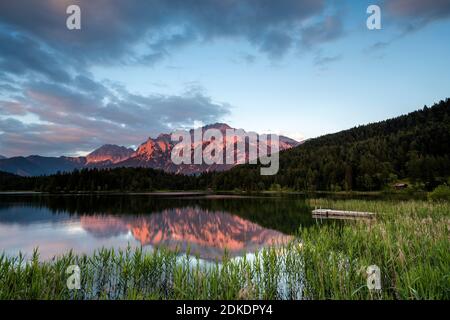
column 341, row 214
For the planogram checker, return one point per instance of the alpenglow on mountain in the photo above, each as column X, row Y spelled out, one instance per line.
column 154, row 153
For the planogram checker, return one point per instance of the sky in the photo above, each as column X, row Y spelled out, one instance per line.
column 135, row 69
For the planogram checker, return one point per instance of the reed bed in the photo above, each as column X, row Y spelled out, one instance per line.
column 408, row 241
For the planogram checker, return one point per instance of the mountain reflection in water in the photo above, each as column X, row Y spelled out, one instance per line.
column 205, row 227
column 206, row 233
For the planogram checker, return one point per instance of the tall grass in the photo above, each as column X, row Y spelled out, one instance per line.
column 409, row 242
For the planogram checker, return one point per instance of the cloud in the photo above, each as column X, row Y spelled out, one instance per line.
column 51, row 104
column 415, row 14
column 248, row 58
column 380, row 45
column 12, row 108
column 21, row 55
column 275, row 43
column 330, row 28
column 409, row 16
column 18, row 138
column 323, row 61
column 116, row 30
column 71, row 120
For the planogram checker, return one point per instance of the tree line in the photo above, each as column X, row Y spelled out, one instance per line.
column 413, row 148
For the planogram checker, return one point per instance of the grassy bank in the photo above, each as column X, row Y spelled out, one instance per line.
column 409, row 241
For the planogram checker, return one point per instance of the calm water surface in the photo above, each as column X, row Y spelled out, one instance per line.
column 207, row 225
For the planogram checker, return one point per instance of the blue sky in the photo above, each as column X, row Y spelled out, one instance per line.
column 302, row 68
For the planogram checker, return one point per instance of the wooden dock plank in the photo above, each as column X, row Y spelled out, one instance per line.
column 342, row 213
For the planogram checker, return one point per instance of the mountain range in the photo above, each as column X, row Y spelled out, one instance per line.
column 154, row 153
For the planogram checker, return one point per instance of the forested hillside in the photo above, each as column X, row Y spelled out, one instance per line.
column 414, row 147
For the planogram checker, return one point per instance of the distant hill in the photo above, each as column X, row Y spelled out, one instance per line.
column 415, row 146
column 37, row 165
column 2, row 157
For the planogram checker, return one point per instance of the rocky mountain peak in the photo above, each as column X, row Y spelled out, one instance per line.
column 146, row 148
column 109, row 153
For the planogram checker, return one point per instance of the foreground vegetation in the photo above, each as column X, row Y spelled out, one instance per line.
column 409, row 241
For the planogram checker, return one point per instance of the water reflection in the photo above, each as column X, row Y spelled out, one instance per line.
column 206, row 226
column 207, row 233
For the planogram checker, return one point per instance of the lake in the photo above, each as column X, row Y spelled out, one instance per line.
column 203, row 225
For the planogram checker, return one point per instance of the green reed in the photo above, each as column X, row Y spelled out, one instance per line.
column 408, row 241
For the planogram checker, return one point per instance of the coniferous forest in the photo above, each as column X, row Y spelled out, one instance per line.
column 412, row 148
